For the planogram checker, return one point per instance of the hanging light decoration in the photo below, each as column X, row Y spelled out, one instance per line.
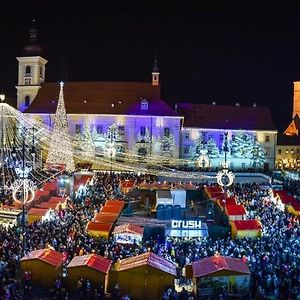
column 21, row 186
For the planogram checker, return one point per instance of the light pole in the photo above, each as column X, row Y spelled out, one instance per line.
column 2, row 98
column 23, row 183
column 111, row 150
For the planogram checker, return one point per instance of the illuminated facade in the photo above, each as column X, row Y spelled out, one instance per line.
column 144, row 126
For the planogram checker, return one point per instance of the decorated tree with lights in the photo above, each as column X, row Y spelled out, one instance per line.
column 199, row 145
column 87, row 146
column 241, row 145
column 111, row 137
column 143, row 144
column 257, row 154
column 212, row 148
column 167, row 145
column 60, row 148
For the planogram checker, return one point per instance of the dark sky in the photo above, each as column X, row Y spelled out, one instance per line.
column 222, row 51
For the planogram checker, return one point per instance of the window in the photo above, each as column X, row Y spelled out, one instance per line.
column 28, row 70
column 167, row 131
column 187, row 135
column 143, row 130
column 267, row 151
column 78, row 128
column 99, row 129
column 292, row 151
column 186, row 149
column 155, row 77
column 267, row 138
column 27, row 101
column 287, row 151
column 279, row 151
column 233, row 137
column 144, row 104
column 27, row 81
column 221, row 137
column 121, row 130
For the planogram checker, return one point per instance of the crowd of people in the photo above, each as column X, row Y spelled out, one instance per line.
column 274, row 259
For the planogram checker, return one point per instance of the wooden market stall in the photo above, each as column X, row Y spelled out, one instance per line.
column 105, row 218
column 111, row 210
column 112, row 202
column 50, row 205
column 38, row 214
column 59, row 200
column 45, row 266
column 126, row 185
column 145, row 276
column 235, row 212
column 210, row 274
column 50, row 186
column 128, row 233
column 93, row 267
column 99, row 230
column 246, row 228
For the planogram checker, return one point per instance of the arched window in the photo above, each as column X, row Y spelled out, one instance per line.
column 28, row 70
column 27, row 101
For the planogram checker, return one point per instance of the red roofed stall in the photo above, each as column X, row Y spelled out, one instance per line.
column 212, row 272
column 291, row 203
column 111, row 209
column 127, row 185
column 246, row 228
column 45, row 266
column 61, row 201
column 145, row 276
column 50, row 186
column 128, row 234
column 98, row 230
column 47, row 204
column 113, row 202
column 235, row 211
column 93, row 267
column 105, row 218
column 38, row 214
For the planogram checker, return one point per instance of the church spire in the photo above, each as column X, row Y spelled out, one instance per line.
column 155, row 72
column 32, row 47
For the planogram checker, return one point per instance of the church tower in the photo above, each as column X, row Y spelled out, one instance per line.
column 155, row 73
column 31, row 73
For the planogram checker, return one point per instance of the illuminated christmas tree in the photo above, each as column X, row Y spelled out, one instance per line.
column 88, row 149
column 212, row 148
column 60, row 149
column 257, row 154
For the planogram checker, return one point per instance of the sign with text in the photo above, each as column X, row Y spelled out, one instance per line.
column 186, row 224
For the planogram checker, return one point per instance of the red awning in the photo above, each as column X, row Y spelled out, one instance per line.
column 213, row 264
column 248, row 224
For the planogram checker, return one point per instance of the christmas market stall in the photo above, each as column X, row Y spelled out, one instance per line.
column 49, row 205
column 45, row 266
column 38, row 214
column 109, row 209
column 235, row 212
column 10, row 216
column 145, row 276
column 99, row 230
column 128, row 234
column 93, row 267
column 105, row 218
column 61, row 201
column 246, row 228
column 115, row 202
column 126, row 185
column 211, row 274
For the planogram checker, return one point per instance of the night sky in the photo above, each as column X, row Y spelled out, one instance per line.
column 207, row 52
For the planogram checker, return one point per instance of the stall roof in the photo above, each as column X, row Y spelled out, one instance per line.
column 149, row 259
column 48, row 204
column 93, row 261
column 127, row 183
column 50, row 186
column 288, row 199
column 129, row 228
column 40, row 193
column 213, row 264
column 105, row 218
column 111, row 202
column 230, row 201
column 248, row 224
column 48, row 256
column 111, row 209
column 235, row 210
column 38, row 211
column 95, row 226
column 57, row 200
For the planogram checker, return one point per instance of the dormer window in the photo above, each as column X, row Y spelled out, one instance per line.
column 144, row 104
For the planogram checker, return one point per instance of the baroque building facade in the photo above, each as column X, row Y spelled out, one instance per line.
column 142, row 125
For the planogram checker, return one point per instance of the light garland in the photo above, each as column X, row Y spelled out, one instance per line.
column 203, row 159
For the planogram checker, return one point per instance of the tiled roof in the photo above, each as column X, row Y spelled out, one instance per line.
column 149, row 259
column 248, row 224
column 48, row 256
column 93, row 261
column 129, row 228
column 214, row 264
column 226, row 117
column 102, row 98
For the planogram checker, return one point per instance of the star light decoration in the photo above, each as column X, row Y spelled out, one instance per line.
column 111, row 150
column 21, row 186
